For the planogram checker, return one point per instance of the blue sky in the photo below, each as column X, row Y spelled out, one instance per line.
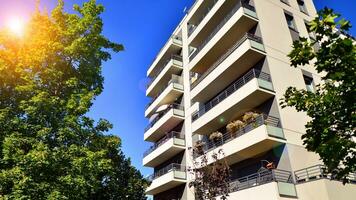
column 143, row 27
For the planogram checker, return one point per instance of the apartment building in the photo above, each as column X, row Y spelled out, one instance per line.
column 225, row 60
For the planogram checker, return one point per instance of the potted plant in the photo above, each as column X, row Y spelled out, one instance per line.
column 249, row 116
column 216, row 136
column 234, row 126
column 199, row 147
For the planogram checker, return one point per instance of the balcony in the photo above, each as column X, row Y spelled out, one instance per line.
column 316, row 178
column 170, row 145
column 174, row 65
column 167, row 178
column 229, row 30
column 273, row 128
column 208, row 8
column 267, row 184
column 168, row 94
column 317, row 172
column 172, row 47
column 258, row 136
column 244, row 54
column 164, row 122
column 246, row 93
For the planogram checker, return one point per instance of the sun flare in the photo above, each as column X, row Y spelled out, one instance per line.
column 16, row 26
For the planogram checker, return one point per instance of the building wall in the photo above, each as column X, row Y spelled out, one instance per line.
column 326, row 190
column 277, row 39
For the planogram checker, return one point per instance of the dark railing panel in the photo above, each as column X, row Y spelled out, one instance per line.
column 166, row 170
column 161, row 114
column 160, row 142
column 253, row 73
column 261, row 178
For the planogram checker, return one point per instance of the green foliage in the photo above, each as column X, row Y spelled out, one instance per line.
column 332, row 108
column 49, row 148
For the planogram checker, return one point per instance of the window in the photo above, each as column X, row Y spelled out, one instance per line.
column 301, row 5
column 290, row 21
column 308, row 83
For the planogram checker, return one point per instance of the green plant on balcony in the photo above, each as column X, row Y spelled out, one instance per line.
column 199, row 147
column 250, row 116
column 234, row 126
column 216, row 136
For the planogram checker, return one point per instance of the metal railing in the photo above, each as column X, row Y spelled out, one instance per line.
column 172, row 57
column 319, row 172
column 260, row 178
column 175, row 79
column 166, row 170
column 260, row 120
column 173, row 37
column 168, row 136
column 247, row 36
column 208, row 9
column 219, row 26
column 253, row 73
column 161, row 114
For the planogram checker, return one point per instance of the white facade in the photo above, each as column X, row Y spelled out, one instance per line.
column 226, row 58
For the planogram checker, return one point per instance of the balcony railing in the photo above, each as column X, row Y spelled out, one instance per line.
column 219, row 26
column 247, row 36
column 319, row 172
column 173, row 37
column 173, row 57
column 161, row 114
column 253, row 73
column 260, row 178
column 170, row 168
column 260, row 120
column 167, row 137
column 208, row 9
column 175, row 79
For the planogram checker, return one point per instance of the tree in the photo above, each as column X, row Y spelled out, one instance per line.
column 209, row 181
column 49, row 77
column 332, row 107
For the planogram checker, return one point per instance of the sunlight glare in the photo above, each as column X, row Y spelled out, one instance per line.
column 16, row 26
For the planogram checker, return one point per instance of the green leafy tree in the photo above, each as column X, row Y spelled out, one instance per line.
column 332, row 107
column 49, row 77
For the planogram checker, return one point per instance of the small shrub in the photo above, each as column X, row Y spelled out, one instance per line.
column 234, row 126
column 215, row 136
column 199, row 147
column 250, row 116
